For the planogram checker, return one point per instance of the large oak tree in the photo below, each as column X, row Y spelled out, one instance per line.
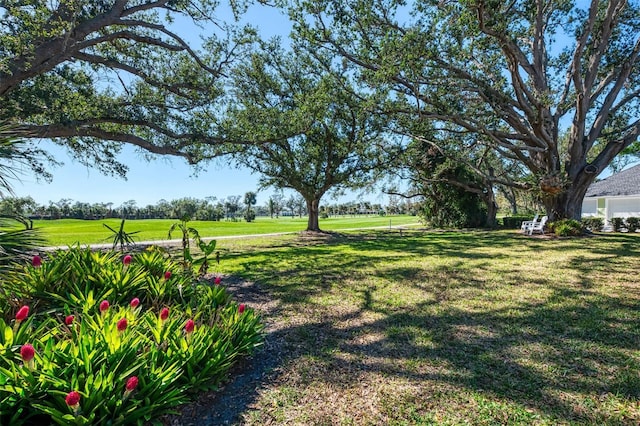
column 93, row 75
column 321, row 134
column 551, row 84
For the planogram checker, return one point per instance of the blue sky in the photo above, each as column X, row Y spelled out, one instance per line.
column 147, row 182
column 165, row 177
column 162, row 178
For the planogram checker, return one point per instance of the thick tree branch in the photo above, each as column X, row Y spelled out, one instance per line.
column 128, row 35
column 603, row 113
column 175, row 37
column 113, row 64
column 613, row 148
column 601, row 43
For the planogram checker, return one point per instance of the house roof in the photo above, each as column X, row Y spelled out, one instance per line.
column 626, row 182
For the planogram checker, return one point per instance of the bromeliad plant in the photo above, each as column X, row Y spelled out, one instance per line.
column 98, row 340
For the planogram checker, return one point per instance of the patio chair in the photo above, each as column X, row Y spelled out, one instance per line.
column 538, row 226
column 524, row 227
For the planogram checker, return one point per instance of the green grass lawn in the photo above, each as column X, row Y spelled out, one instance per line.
column 447, row 328
column 66, row 232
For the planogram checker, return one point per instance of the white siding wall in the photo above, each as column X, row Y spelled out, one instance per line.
column 610, row 208
column 623, row 207
column 589, row 207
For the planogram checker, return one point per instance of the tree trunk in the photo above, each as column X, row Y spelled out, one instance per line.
column 510, row 195
column 492, row 210
column 568, row 204
column 314, row 215
column 488, row 196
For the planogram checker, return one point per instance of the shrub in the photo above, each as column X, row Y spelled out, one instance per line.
column 633, row 224
column 594, row 224
column 567, row 228
column 121, row 237
column 125, row 362
column 617, row 223
column 514, row 222
column 250, row 215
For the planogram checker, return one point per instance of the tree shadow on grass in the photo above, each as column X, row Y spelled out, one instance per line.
column 531, row 353
column 577, row 344
column 314, row 268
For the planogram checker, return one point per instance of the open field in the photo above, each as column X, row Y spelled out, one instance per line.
column 442, row 328
column 66, row 232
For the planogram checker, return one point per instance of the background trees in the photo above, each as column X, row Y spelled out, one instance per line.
column 27, row 208
column 275, row 203
column 249, row 201
column 549, row 85
column 231, row 206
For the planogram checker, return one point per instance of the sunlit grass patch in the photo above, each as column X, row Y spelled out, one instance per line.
column 66, row 232
column 452, row 328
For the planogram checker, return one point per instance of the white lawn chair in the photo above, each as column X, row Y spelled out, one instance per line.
column 538, row 226
column 528, row 224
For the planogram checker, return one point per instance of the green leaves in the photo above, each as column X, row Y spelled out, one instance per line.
column 15, row 243
column 121, row 237
column 95, row 353
column 94, row 75
column 207, row 250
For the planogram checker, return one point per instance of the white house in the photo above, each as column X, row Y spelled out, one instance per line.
column 616, row 196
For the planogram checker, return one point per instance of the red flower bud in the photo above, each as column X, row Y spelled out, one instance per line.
column 104, row 306
column 27, row 352
column 167, row 275
column 22, row 313
column 132, row 383
column 164, row 314
column 36, row 261
column 134, row 302
column 217, row 281
column 127, row 259
column 241, row 308
column 122, row 324
column 72, row 399
column 69, row 319
column 188, row 327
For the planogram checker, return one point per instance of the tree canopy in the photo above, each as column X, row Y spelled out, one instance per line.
column 543, row 89
column 322, row 133
column 93, row 75
column 552, row 85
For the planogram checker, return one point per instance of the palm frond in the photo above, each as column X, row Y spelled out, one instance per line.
column 17, row 244
column 18, row 241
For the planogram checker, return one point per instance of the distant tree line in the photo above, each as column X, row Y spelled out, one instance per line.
column 231, row 208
